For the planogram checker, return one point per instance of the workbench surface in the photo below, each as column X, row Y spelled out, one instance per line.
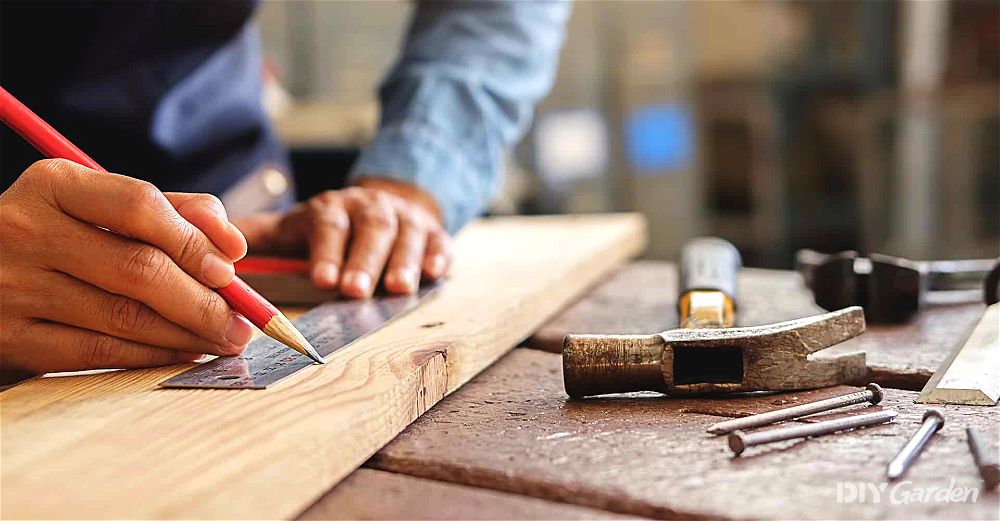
column 511, row 445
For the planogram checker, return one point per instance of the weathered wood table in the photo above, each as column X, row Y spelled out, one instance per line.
column 511, row 445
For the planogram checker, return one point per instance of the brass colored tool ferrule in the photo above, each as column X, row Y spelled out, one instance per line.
column 706, row 309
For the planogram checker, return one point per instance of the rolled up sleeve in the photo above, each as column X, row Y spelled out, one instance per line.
column 462, row 91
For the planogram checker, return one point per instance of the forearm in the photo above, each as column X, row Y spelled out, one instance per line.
column 463, row 90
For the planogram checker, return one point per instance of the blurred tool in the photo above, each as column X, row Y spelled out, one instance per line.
column 708, row 279
column 714, row 358
column 988, row 465
column 237, row 293
column 891, row 289
column 872, row 394
column 739, row 441
column 970, row 375
column 991, row 286
column 932, row 422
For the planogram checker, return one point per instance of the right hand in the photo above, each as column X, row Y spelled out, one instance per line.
column 74, row 295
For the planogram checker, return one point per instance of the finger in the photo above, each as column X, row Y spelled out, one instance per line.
column 58, row 347
column 437, row 257
column 402, row 275
column 144, row 273
column 330, row 225
column 89, row 307
column 374, row 231
column 137, row 209
column 208, row 214
column 260, row 230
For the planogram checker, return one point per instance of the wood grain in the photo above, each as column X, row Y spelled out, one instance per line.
column 375, row 494
column 641, row 298
column 113, row 445
column 646, row 455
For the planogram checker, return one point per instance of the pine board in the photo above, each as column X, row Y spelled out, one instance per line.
column 113, row 445
column 646, row 455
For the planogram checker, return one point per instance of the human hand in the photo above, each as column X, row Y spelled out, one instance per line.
column 355, row 235
column 105, row 271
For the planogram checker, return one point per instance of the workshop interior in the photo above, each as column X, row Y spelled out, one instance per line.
column 777, row 125
column 743, row 263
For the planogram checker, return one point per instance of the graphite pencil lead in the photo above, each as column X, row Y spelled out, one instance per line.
column 282, row 330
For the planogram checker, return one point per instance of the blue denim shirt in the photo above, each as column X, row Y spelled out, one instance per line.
column 463, row 89
column 169, row 91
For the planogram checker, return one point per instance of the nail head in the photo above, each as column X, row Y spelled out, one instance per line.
column 877, row 393
column 737, row 442
column 933, row 413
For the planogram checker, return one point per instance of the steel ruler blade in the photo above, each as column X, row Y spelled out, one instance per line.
column 329, row 327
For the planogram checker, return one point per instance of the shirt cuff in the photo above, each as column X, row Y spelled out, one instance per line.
column 420, row 155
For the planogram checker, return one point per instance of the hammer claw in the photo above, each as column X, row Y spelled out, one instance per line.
column 806, row 335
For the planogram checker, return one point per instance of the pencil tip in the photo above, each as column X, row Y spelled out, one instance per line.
column 282, row 330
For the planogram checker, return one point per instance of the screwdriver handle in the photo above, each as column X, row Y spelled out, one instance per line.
column 708, row 269
column 709, row 264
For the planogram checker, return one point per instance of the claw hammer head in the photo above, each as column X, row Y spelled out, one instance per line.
column 773, row 357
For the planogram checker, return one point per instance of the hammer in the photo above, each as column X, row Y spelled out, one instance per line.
column 706, row 354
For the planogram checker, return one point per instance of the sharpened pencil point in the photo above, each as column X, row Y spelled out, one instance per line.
column 282, row 330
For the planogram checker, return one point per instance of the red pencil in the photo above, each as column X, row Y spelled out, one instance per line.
column 240, row 296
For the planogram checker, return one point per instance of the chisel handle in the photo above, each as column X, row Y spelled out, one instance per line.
column 708, row 270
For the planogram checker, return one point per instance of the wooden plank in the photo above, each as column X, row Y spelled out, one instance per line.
column 650, row 456
column 375, row 494
column 640, row 298
column 113, row 445
column 971, row 374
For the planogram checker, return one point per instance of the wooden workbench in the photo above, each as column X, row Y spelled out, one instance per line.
column 510, row 445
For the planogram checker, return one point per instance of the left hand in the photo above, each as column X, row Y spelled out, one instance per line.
column 355, row 235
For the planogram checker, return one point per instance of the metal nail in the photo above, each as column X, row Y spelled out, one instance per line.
column 740, row 441
column 872, row 393
column 989, row 467
column 932, row 422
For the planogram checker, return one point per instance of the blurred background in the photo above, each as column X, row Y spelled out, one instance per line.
column 778, row 125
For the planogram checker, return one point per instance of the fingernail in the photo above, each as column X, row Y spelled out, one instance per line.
column 239, row 330
column 438, row 263
column 232, row 350
column 238, row 233
column 216, row 271
column 325, row 274
column 407, row 278
column 189, row 357
column 360, row 281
